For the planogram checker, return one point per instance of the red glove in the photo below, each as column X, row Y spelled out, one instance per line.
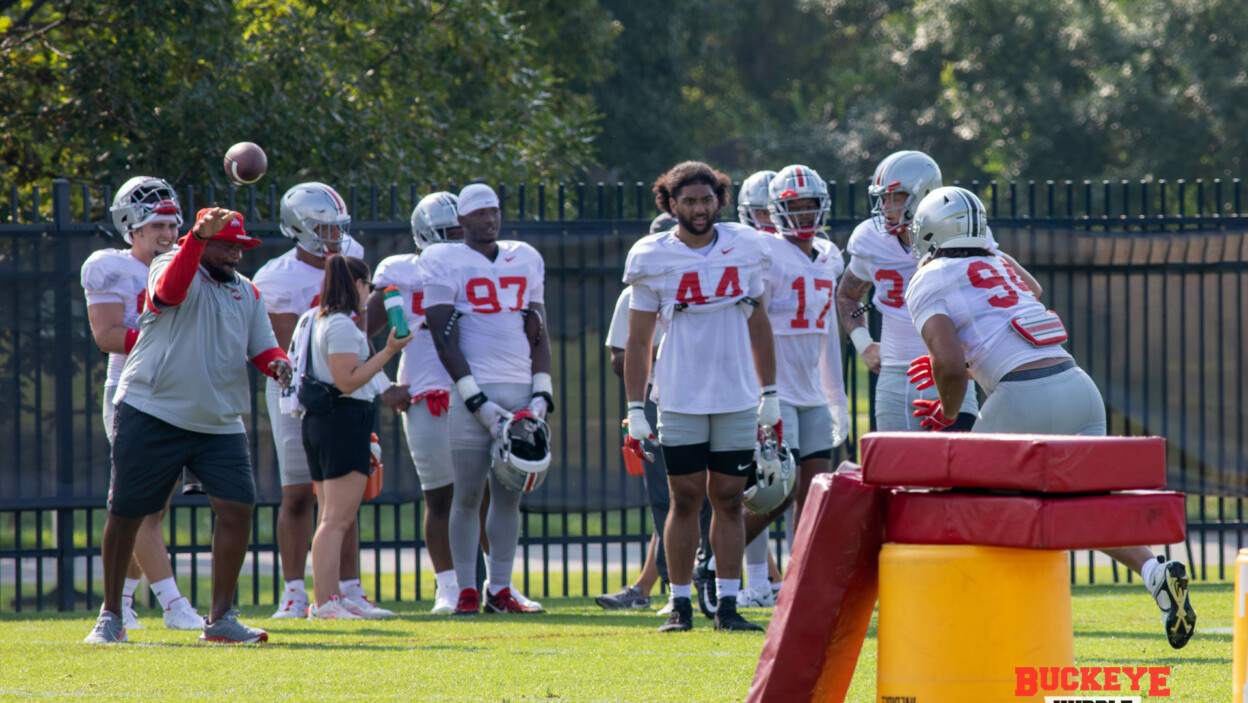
column 920, row 373
column 933, row 415
column 436, row 401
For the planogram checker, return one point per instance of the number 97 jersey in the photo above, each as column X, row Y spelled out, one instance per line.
column 491, row 298
column 983, row 297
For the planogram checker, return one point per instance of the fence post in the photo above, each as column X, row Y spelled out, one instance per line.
column 62, row 362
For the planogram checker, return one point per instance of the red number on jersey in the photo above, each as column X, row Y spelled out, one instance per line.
column 690, row 289
column 892, row 296
column 799, row 321
column 316, row 301
column 729, row 283
column 824, row 284
column 521, row 282
column 983, row 275
column 486, row 302
column 418, row 302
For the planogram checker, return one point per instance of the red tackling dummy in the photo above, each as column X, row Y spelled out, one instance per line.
column 823, row 612
column 1042, row 463
column 1030, row 522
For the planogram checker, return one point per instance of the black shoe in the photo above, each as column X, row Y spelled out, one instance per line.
column 704, row 581
column 681, row 619
column 727, row 617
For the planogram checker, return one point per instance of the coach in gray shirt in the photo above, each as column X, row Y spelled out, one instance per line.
column 180, row 403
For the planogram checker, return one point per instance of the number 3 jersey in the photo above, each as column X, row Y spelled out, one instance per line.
column 982, row 296
column 490, row 297
column 801, row 299
column 419, row 366
column 706, row 363
column 115, row 276
column 879, row 258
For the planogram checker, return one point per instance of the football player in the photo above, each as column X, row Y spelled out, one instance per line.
column 423, row 384
column 880, row 263
column 147, row 214
column 315, row 217
column 484, row 300
column 799, row 289
column 703, row 281
column 977, row 320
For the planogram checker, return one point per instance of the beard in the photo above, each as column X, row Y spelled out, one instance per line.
column 688, row 226
column 218, row 273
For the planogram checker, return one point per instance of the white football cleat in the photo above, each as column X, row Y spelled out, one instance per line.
column 752, row 597
column 181, row 615
column 128, row 616
column 293, row 604
column 445, row 600
column 362, row 607
column 524, row 600
column 336, row 608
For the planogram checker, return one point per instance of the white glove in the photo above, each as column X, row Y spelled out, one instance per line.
column 769, row 408
column 492, row 415
column 537, row 405
column 543, row 390
column 638, row 425
column 840, row 424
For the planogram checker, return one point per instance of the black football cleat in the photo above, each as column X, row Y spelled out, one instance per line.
column 681, row 618
column 727, row 617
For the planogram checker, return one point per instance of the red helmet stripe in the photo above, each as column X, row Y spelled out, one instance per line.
column 801, row 178
column 333, row 194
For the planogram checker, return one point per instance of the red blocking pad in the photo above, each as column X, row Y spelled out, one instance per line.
column 1043, row 463
column 1090, row 522
column 830, row 588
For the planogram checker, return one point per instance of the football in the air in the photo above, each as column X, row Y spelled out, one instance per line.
column 245, row 163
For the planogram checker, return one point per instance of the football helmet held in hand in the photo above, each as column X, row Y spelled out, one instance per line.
column 521, row 452
column 774, row 474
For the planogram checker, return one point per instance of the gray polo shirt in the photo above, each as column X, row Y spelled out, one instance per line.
column 189, row 366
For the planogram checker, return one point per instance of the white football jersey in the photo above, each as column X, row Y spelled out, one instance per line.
column 419, row 366
column 801, row 302
column 115, row 276
column 706, row 364
column 292, row 286
column 981, row 295
column 879, row 258
column 491, row 297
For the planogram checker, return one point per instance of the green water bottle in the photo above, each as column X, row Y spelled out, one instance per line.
column 394, row 310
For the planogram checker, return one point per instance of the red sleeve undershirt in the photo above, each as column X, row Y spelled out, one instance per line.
column 266, row 357
column 177, row 277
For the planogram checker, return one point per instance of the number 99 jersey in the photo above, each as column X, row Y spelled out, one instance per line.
column 491, row 297
column 983, row 297
column 879, row 258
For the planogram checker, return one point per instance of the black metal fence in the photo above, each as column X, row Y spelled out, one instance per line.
column 1128, row 264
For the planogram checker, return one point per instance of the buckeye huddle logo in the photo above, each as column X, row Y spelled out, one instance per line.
column 1091, row 684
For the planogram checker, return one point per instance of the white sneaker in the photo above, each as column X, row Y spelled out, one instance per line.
column 129, row 618
column 181, row 615
column 752, row 597
column 293, row 604
column 335, row 608
column 362, row 607
column 522, row 600
column 665, row 610
column 445, row 600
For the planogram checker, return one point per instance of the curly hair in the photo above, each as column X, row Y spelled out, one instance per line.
column 668, row 185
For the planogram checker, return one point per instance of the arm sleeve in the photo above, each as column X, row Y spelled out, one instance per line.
column 618, row 332
column 266, row 357
column 831, row 369
column 171, row 283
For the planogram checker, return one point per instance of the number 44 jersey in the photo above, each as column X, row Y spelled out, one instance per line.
column 491, row 298
column 704, row 299
column 983, row 297
column 801, row 302
column 879, row 258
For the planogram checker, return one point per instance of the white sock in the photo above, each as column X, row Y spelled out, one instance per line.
column 296, row 585
column 756, row 575
column 446, row 580
column 350, row 588
column 711, row 564
column 166, row 591
column 685, row 591
column 132, row 585
column 1146, row 571
column 496, row 589
column 728, row 588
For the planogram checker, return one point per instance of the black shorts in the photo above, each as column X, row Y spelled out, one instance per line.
column 691, row 458
column 148, row 456
column 337, row 442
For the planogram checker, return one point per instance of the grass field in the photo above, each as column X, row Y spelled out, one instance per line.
column 576, row 652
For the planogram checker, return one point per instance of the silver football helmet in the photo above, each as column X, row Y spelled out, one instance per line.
column 911, row 172
column 797, row 183
column 520, row 453
column 948, row 218
column 141, row 200
column 774, row 474
column 754, row 197
column 308, row 211
column 433, row 216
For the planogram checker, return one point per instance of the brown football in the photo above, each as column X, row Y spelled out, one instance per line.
column 245, row 163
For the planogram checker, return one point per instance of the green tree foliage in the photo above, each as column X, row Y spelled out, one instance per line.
column 374, row 91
